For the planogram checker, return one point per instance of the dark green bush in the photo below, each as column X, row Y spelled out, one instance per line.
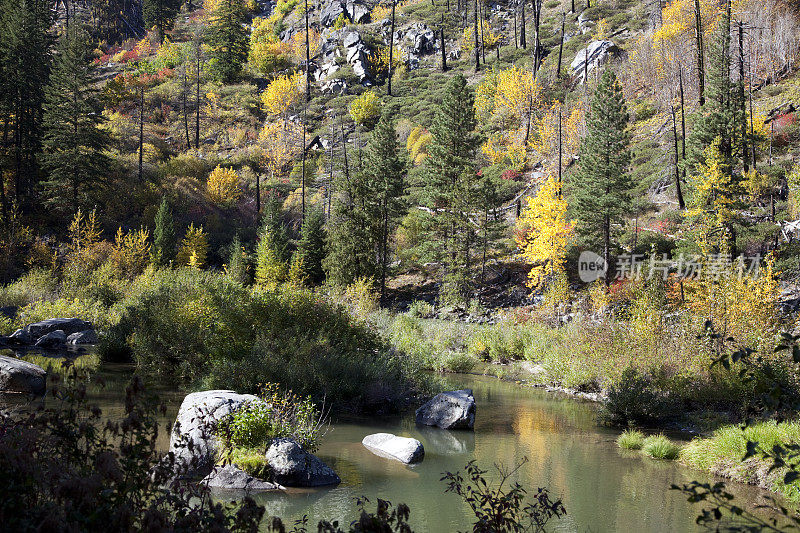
column 635, row 400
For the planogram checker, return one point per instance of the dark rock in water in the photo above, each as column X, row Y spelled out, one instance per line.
column 449, row 410
column 83, row 337
column 231, row 477
column 52, row 341
column 403, row 449
column 292, row 466
column 32, row 332
column 18, row 376
column 192, row 439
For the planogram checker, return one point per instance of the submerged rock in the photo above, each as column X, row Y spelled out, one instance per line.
column 449, row 410
column 403, row 449
column 193, row 439
column 18, row 376
column 231, row 477
column 292, row 466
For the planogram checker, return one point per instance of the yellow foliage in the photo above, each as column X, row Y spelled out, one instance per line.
column 194, row 248
column 793, row 182
column 267, row 52
column 283, row 93
column 601, row 31
column 712, row 199
column 223, row 186
column 83, row 232
column 489, row 39
column 365, row 108
column 543, row 233
column 506, row 147
column 298, row 44
column 379, row 61
column 417, row 144
column 131, row 253
column 281, row 143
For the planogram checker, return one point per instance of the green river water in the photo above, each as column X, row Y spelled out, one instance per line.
column 603, row 487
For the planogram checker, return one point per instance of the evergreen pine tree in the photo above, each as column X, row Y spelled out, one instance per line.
column 73, row 142
column 601, row 188
column 228, row 39
column 719, row 117
column 163, row 251
column 160, row 14
column 236, row 268
column 450, row 183
column 25, row 55
column 272, row 249
column 383, row 173
column 311, row 248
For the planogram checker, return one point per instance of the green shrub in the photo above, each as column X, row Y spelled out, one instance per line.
column 92, row 310
column 197, row 326
column 660, row 447
column 281, row 414
column 421, row 309
column 631, row 439
column 634, row 399
column 458, row 362
column 38, row 284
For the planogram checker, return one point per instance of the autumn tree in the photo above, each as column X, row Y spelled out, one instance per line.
column 228, row 39
column 223, row 186
column 193, row 250
column 72, row 151
column 543, row 233
column 450, row 188
column 601, row 188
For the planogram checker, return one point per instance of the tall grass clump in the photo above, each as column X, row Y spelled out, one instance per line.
column 631, row 439
column 723, row 453
column 201, row 328
column 660, row 447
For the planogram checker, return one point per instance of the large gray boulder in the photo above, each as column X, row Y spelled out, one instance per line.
column 232, row 478
column 403, row 449
column 292, row 466
column 193, row 439
column 596, row 53
column 33, row 332
column 22, row 377
column 357, row 12
column 330, row 12
column 449, row 410
column 83, row 337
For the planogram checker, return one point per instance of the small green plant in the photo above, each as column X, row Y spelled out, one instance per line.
column 421, row 309
column 457, row 362
column 660, row 447
column 631, row 439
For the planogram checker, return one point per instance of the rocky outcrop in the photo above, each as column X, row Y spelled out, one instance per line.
column 418, row 38
column 449, row 410
column 403, row 449
column 292, row 466
column 355, row 11
column 193, row 439
column 53, row 340
column 356, row 56
column 232, row 478
column 597, row 52
column 21, row 377
column 31, row 333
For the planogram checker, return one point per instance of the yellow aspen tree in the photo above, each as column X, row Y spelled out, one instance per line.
column 223, row 186
column 283, row 93
column 543, row 233
column 194, row 248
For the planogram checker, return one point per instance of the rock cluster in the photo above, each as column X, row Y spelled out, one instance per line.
column 597, row 52
column 54, row 334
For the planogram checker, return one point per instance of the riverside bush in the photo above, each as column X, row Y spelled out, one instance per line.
column 200, row 327
column 635, row 400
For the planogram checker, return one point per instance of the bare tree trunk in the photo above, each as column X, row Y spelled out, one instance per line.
column 698, row 31
column 522, row 40
column 477, row 45
column 678, row 191
column 391, row 53
column 185, row 102
column 444, row 47
column 308, row 76
column 561, row 46
column 141, row 130
column 683, row 122
column 743, row 101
